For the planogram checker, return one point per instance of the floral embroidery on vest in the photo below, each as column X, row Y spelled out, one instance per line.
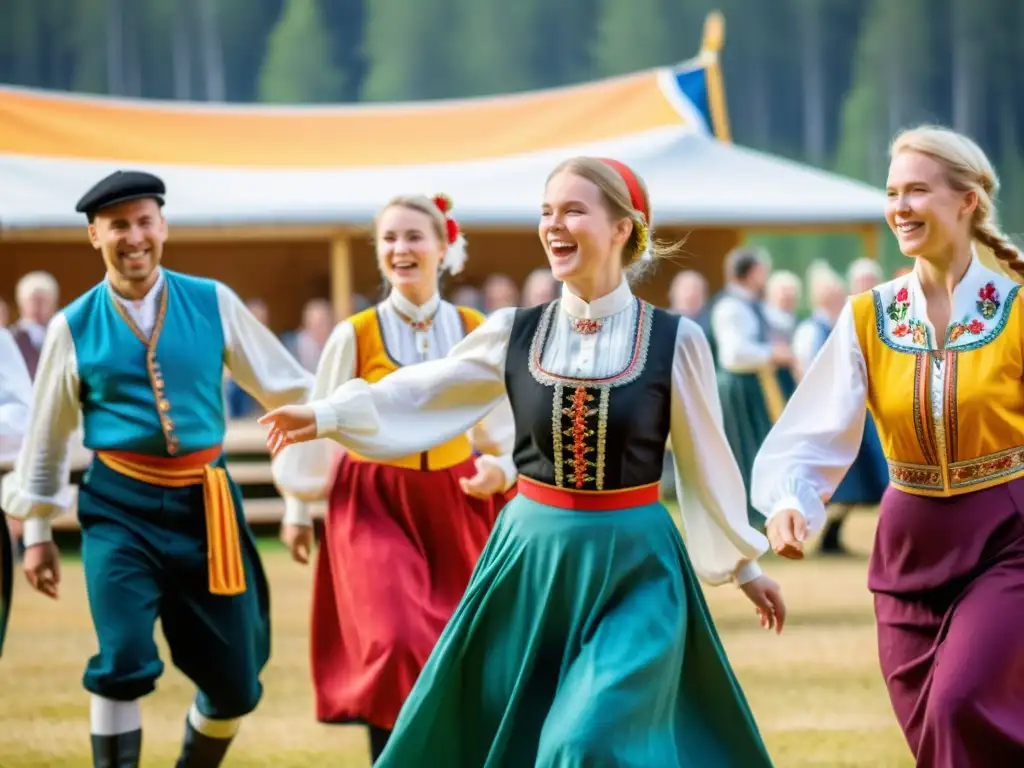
column 898, row 307
column 903, row 327
column 956, row 330
column 915, row 329
column 988, row 301
column 902, row 331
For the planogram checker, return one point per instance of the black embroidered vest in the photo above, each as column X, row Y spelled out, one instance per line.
column 591, row 434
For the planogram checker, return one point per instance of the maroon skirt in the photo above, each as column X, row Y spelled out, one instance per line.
column 398, row 549
column 947, row 576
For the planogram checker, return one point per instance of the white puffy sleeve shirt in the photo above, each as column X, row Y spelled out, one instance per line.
column 421, row 406
column 39, row 487
column 817, row 437
column 302, row 473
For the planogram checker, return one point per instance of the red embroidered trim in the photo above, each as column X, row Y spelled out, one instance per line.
column 579, row 435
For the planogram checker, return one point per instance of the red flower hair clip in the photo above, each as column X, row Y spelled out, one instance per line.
column 455, row 257
column 443, row 202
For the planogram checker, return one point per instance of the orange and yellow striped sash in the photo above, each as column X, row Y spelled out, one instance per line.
column 224, row 546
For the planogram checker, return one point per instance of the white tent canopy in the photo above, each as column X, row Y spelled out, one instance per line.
column 693, row 180
column 285, row 166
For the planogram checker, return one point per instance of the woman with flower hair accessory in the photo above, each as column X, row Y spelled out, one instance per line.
column 937, row 357
column 583, row 639
column 404, row 528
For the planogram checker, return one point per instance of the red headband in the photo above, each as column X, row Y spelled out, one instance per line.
column 444, row 203
column 636, row 194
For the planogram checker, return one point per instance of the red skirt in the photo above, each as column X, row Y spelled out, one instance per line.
column 948, row 581
column 398, row 549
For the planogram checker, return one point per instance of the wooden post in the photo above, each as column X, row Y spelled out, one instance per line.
column 869, row 242
column 341, row 276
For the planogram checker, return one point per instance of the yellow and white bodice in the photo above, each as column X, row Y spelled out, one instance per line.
column 950, row 416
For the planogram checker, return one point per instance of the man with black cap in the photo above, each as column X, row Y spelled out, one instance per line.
column 139, row 359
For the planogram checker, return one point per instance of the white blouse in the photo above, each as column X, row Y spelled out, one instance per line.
column 302, row 473
column 817, row 437
column 737, row 328
column 15, row 396
column 424, row 405
column 38, row 489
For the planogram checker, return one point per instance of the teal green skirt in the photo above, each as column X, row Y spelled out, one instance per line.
column 583, row 641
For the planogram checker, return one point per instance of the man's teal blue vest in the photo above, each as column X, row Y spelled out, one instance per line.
column 167, row 404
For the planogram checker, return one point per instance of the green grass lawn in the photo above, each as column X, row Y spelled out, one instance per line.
column 816, row 690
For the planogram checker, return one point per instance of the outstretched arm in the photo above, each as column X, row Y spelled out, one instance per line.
column 302, row 472
column 814, row 442
column 257, row 359
column 412, row 409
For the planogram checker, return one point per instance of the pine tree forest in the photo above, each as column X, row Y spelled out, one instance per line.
column 826, row 82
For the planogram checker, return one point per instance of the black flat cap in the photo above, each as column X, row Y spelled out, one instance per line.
column 120, row 187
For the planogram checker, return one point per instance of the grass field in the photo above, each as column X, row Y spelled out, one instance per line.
column 816, row 690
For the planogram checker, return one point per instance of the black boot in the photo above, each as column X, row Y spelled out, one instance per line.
column 378, row 740
column 201, row 751
column 120, row 751
column 831, row 543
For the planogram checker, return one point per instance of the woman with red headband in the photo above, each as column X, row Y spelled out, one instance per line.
column 404, row 527
column 583, row 638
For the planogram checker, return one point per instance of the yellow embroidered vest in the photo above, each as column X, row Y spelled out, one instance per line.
column 979, row 440
column 373, row 363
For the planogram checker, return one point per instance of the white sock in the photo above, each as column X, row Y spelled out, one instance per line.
column 110, row 718
column 215, row 729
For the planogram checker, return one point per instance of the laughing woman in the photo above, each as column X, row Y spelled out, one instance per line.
column 937, row 357
column 405, row 526
column 583, row 640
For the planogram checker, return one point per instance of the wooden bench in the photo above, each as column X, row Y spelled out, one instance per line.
column 248, row 462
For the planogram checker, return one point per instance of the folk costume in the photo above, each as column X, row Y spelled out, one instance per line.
column 868, row 476
column 163, row 532
column 15, row 404
column 947, row 569
column 583, row 638
column 400, row 537
column 753, row 391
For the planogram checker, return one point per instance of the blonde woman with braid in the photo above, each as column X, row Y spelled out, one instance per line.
column 583, row 639
column 937, row 357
